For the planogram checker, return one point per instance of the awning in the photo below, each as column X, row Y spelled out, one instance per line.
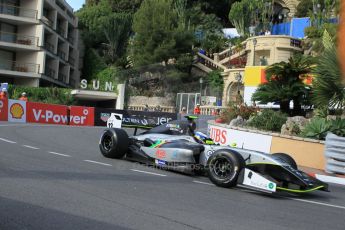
column 91, row 95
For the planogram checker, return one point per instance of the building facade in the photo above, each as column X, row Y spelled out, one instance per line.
column 38, row 43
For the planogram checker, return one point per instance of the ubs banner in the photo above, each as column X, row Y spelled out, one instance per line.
column 134, row 118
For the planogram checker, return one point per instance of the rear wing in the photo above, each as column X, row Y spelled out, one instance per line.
column 134, row 119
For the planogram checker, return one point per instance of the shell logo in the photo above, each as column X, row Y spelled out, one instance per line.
column 17, row 111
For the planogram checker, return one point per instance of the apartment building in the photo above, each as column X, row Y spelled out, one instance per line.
column 38, row 43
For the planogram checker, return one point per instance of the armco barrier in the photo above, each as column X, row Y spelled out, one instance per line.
column 335, row 153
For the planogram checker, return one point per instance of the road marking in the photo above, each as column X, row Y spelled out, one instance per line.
column 8, row 141
column 201, row 182
column 30, row 147
column 96, row 162
column 315, row 202
column 151, row 173
column 60, row 154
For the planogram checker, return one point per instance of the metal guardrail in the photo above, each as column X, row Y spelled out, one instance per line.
column 18, row 39
column 18, row 11
column 19, row 66
column 335, row 153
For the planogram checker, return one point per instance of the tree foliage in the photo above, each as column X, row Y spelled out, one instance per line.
column 158, row 36
column 285, row 83
column 329, row 91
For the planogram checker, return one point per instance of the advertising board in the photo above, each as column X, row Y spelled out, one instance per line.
column 81, row 116
column 16, row 111
column 3, row 110
column 47, row 113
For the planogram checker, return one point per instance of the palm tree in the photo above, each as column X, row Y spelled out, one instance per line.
column 329, row 91
column 285, row 83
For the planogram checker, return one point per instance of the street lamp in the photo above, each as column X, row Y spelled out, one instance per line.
column 201, row 81
column 254, row 43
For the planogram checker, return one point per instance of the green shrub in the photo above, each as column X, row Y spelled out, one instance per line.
column 318, row 128
column 268, row 120
column 235, row 110
column 45, row 95
column 313, row 32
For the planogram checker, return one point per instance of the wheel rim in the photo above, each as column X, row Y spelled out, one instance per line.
column 107, row 142
column 222, row 168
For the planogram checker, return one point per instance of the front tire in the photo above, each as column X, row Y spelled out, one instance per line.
column 224, row 167
column 114, row 143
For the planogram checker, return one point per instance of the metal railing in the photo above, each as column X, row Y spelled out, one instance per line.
column 50, row 47
column 50, row 72
column 19, row 66
column 18, row 11
column 62, row 55
column 18, row 39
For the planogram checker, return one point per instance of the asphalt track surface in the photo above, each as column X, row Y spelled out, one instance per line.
column 54, row 177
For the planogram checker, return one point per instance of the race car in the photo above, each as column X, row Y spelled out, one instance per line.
column 177, row 146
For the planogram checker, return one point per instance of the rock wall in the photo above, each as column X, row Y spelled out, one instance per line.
column 150, row 101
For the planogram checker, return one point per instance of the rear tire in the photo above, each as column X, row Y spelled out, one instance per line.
column 114, row 143
column 224, row 167
column 285, row 157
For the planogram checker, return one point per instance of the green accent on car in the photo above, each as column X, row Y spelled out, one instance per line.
column 263, row 163
column 191, row 117
column 209, row 142
column 158, row 143
column 271, row 185
column 300, row 191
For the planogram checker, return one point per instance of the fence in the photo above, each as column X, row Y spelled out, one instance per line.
column 335, row 154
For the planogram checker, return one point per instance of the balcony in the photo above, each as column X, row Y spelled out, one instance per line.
column 18, row 39
column 47, row 21
column 61, row 31
column 20, row 67
column 50, row 72
column 71, row 60
column 71, row 39
column 62, row 55
column 48, row 46
column 18, row 11
column 72, row 83
column 62, row 77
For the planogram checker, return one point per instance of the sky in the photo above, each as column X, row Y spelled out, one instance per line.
column 76, row 4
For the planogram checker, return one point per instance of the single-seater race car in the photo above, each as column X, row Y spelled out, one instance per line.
column 176, row 146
